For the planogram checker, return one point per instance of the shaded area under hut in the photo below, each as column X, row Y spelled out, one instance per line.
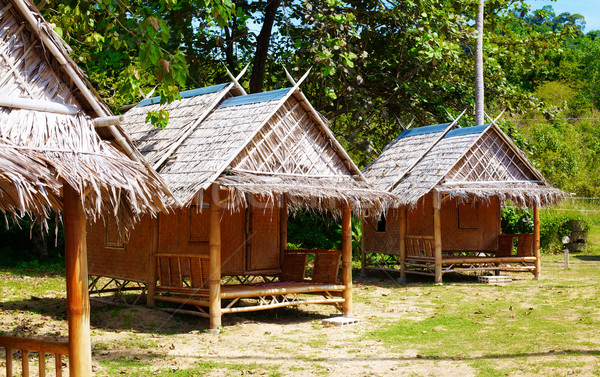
column 237, row 164
column 452, row 183
column 56, row 158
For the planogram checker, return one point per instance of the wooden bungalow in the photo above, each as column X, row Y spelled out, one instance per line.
column 55, row 156
column 236, row 164
column 452, row 182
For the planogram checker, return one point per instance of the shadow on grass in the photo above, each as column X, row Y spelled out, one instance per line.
column 588, row 258
column 220, row 358
column 389, row 279
column 137, row 318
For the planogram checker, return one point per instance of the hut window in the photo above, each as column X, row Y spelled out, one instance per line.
column 468, row 215
column 114, row 240
column 381, row 224
column 199, row 223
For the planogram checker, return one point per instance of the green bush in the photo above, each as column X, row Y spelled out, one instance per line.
column 555, row 225
column 515, row 220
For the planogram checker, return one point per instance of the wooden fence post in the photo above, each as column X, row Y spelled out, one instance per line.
column 78, row 299
column 437, row 236
column 214, row 279
column 347, row 260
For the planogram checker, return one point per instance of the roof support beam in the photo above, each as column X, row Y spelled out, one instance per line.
column 236, row 79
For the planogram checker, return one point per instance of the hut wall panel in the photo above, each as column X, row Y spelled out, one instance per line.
column 127, row 263
column 233, row 252
column 482, row 237
column 387, row 242
column 420, row 217
column 264, row 237
column 168, row 230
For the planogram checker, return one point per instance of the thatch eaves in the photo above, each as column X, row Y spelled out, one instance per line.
column 46, row 111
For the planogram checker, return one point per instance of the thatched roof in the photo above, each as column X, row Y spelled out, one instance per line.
column 46, row 114
column 476, row 161
column 266, row 143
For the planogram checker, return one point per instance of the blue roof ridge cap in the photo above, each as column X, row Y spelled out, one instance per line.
column 272, row 95
column 186, row 94
column 423, row 130
column 467, row 130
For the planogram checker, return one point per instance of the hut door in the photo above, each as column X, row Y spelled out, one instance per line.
column 263, row 237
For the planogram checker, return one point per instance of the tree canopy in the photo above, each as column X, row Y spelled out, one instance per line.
column 378, row 65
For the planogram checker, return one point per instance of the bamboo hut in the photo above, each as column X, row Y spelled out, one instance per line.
column 236, row 164
column 451, row 182
column 56, row 157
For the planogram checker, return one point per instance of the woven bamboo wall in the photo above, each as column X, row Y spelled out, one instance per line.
column 186, row 232
column 263, row 237
column 419, row 218
column 127, row 263
column 387, row 242
column 484, row 227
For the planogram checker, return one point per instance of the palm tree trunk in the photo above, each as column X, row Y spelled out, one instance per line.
column 479, row 92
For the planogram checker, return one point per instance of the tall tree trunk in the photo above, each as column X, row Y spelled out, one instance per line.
column 479, row 92
column 262, row 47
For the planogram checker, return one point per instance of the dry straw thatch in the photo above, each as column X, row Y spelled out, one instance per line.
column 45, row 108
column 464, row 162
column 269, row 144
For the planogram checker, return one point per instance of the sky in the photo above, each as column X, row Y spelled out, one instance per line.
column 590, row 9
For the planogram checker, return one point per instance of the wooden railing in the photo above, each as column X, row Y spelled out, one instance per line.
column 26, row 345
column 182, row 270
column 419, row 246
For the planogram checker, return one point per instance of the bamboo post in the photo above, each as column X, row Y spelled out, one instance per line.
column 151, row 271
column 283, row 220
column 347, row 260
column 437, row 237
column 78, row 300
column 536, row 242
column 214, row 279
column 403, row 243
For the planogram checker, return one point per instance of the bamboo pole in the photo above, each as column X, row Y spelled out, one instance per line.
column 152, row 265
column 347, row 260
column 437, row 235
column 536, row 242
column 78, row 300
column 214, row 279
column 403, row 243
